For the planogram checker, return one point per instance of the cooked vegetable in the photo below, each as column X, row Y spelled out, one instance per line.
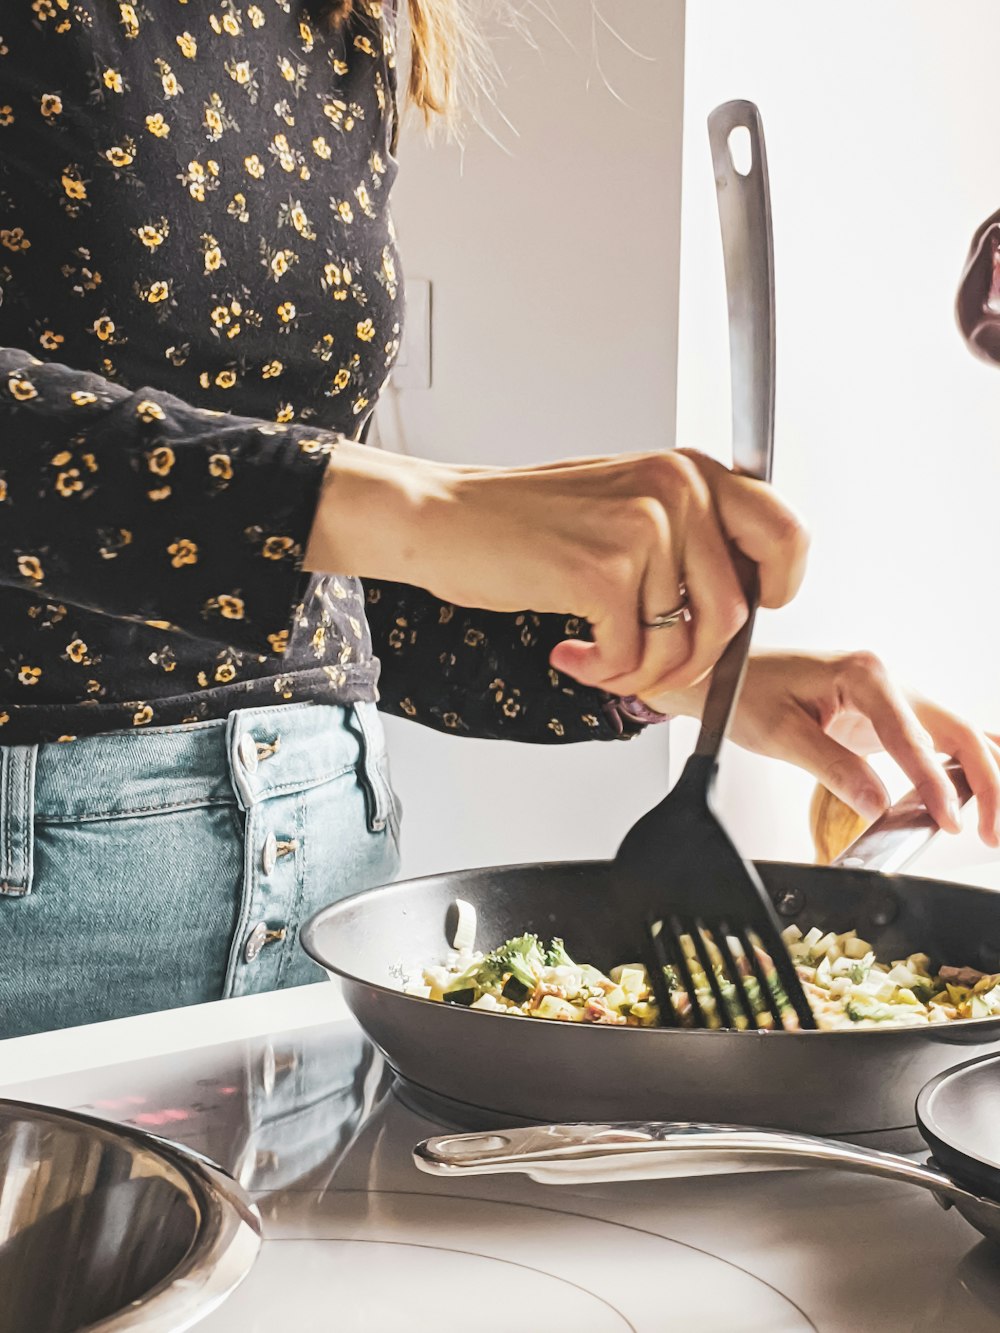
column 846, row 985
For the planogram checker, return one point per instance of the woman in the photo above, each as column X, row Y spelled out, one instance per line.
column 194, row 220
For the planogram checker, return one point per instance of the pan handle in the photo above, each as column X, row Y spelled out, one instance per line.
column 583, row 1153
column 901, row 833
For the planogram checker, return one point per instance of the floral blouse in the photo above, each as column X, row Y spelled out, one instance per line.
column 200, row 295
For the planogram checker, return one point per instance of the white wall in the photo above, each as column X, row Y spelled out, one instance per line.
column 554, row 272
column 880, row 127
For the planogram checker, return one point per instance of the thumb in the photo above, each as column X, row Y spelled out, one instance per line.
column 804, row 743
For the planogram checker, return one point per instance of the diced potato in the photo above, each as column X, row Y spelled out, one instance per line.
column 856, row 948
column 551, row 1006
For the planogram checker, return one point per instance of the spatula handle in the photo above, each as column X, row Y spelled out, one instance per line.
column 737, row 141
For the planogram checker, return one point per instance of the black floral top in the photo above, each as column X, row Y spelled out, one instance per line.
column 194, row 223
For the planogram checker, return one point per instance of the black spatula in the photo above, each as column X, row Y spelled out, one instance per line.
column 713, row 941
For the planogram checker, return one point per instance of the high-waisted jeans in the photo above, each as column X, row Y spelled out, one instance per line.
column 142, row 871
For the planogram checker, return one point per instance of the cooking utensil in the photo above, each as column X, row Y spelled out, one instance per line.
column 958, row 1114
column 677, row 870
column 104, row 1228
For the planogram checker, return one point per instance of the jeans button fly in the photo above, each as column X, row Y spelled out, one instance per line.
column 248, row 753
column 255, row 941
column 269, row 855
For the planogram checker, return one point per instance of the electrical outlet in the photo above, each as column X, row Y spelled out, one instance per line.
column 413, row 365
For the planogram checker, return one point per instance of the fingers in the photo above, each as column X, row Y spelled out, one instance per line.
column 868, row 687
column 762, row 525
column 977, row 753
column 800, row 740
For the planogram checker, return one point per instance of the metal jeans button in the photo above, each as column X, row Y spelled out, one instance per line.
column 255, row 941
column 248, row 753
column 269, row 855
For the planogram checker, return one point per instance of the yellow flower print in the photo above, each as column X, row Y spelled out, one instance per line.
column 168, row 79
column 157, row 125
column 362, row 43
column 376, row 164
column 4, row 719
column 319, row 640
column 159, row 291
column 82, row 398
column 14, row 239
column 3, row 490
column 90, row 462
column 286, row 312
column 299, row 219
column 256, row 16
column 221, row 316
column 279, row 641
column 114, row 83
column 276, row 548
column 230, row 607
column 285, row 413
column 287, row 69
column 359, row 405
column 365, row 330
column 556, row 727
column 150, row 411
column 121, row 155
column 225, row 673
column 61, row 458
column 30, row 567
column 255, row 167
column 142, row 716
column 231, row 25
column 272, row 370
column 6, row 115
column 45, row 9
column 68, row 482
column 221, row 465
column 408, row 707
column 51, row 105
column 129, row 19
column 321, row 148
column 51, row 341
column 21, row 389
column 213, row 120
column 161, row 493
column 183, row 552
column 239, row 71
column 238, row 207
column 76, row 651
column 104, row 327
column 162, row 460
column 345, row 211
column 340, row 67
column 202, row 680
column 364, row 200
column 342, row 379
column 188, row 45
column 226, row 379
column 73, row 185
column 213, row 254
column 29, row 675
column 153, row 235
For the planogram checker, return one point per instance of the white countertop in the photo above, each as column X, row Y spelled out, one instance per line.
column 285, row 1093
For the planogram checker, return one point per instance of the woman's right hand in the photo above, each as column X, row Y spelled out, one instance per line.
column 614, row 541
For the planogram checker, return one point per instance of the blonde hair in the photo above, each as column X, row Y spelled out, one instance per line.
column 444, row 44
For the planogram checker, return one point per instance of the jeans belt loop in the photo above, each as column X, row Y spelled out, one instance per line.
column 17, row 819
column 373, row 745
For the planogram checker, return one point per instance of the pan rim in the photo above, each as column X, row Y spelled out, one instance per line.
column 962, row 1025
column 924, row 1110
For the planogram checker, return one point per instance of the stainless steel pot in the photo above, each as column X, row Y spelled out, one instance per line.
column 105, row 1229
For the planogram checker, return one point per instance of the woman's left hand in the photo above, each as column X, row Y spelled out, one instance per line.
column 825, row 712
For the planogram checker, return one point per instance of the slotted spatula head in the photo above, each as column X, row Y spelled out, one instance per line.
column 713, row 946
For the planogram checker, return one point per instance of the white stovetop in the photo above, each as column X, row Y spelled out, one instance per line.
column 283, row 1091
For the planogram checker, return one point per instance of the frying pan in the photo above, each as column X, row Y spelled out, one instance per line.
column 958, row 1114
column 478, row 1070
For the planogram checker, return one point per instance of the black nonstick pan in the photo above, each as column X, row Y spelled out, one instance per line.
column 479, row 1069
column 958, row 1114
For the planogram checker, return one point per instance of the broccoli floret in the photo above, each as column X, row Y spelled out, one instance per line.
column 523, row 958
column 556, row 955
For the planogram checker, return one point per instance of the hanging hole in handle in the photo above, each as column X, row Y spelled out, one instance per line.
column 740, row 150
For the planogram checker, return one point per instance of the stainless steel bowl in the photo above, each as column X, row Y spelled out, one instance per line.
column 104, row 1228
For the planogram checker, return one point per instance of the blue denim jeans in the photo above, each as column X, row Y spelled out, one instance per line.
column 147, row 870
